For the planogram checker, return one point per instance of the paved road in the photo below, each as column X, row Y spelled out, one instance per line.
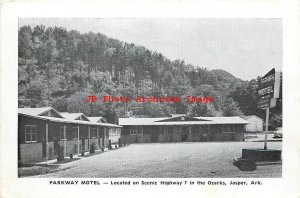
column 256, row 137
column 207, row 159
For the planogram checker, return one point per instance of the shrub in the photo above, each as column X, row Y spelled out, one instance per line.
column 92, row 148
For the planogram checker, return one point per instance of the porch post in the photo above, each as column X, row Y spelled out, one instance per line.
column 47, row 143
column 65, row 143
column 103, row 140
column 104, row 137
column 142, row 133
column 200, row 134
column 98, row 136
column 190, row 134
column 89, row 137
column 78, row 149
column 208, row 132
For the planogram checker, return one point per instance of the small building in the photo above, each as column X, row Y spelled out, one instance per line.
column 255, row 123
column 44, row 133
column 182, row 129
column 113, row 133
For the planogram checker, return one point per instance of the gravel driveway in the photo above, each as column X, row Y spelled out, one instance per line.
column 199, row 159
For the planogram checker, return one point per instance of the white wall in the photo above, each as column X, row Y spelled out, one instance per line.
column 255, row 125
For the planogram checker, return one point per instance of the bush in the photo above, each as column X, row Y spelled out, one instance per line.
column 109, row 145
column 60, row 154
column 92, row 148
column 60, row 158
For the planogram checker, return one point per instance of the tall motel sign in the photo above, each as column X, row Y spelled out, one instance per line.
column 268, row 93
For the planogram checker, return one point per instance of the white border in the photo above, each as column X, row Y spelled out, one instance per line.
column 11, row 186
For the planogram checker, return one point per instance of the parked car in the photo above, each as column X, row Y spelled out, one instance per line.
column 278, row 133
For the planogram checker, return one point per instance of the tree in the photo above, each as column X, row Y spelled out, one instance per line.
column 62, row 67
column 230, row 108
column 201, row 109
column 151, row 109
column 25, row 46
column 102, row 82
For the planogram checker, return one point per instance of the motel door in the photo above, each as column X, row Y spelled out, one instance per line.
column 184, row 133
column 154, row 138
column 44, row 147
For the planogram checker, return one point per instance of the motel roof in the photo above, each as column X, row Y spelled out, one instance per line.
column 97, row 119
column 73, row 116
column 247, row 117
column 167, row 121
column 33, row 111
column 226, row 120
column 38, row 113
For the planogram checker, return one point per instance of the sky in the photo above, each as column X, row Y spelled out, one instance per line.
column 246, row 48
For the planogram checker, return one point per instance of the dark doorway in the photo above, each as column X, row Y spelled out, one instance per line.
column 154, row 134
column 44, row 147
column 184, row 133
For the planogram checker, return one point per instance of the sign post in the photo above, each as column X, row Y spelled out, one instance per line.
column 266, row 128
column 268, row 92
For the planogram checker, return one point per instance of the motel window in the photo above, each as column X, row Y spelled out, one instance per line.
column 105, row 132
column 101, row 133
column 112, row 132
column 62, row 136
column 30, row 133
column 223, row 128
column 132, row 131
column 241, row 128
column 169, row 129
column 165, row 129
column 232, row 128
column 200, row 129
column 236, row 129
column 75, row 132
column 217, row 128
column 160, row 129
column 136, row 130
column 139, row 130
column 93, row 133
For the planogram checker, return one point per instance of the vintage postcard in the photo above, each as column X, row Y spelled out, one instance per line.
column 105, row 102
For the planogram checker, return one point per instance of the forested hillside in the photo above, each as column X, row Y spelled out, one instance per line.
column 60, row 68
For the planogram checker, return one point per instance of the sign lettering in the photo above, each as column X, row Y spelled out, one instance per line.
column 268, row 90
